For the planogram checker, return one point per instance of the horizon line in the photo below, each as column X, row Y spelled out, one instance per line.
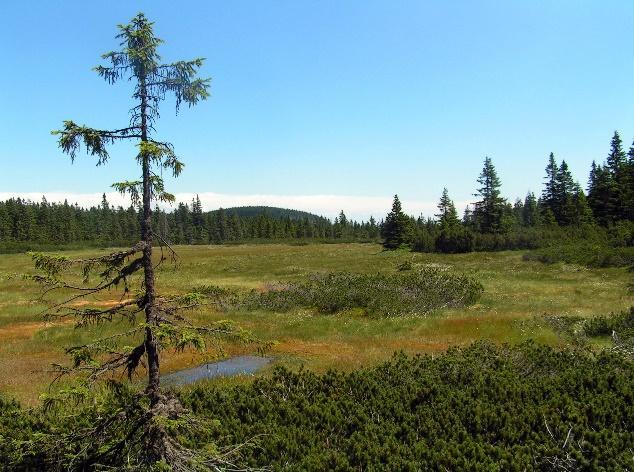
column 357, row 207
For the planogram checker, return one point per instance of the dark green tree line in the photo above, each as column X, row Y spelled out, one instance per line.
column 54, row 224
column 611, row 185
column 563, row 212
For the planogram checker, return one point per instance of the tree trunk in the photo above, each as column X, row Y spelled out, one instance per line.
column 151, row 345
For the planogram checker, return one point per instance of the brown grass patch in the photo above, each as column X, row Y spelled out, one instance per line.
column 24, row 375
column 414, row 345
column 100, row 303
column 313, row 348
column 474, row 321
column 27, row 330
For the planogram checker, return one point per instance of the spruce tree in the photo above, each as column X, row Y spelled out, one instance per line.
column 518, row 212
column 163, row 324
column 447, row 215
column 580, row 212
column 452, row 237
column 488, row 211
column 235, row 226
column 343, row 219
column 565, row 190
column 601, row 194
column 468, row 218
column 396, row 230
column 549, row 194
column 592, row 181
column 222, row 227
column 373, row 229
column 342, row 229
column 616, row 158
column 629, row 186
column 5, row 224
column 530, row 211
column 200, row 235
column 616, row 166
column 43, row 217
column 103, row 225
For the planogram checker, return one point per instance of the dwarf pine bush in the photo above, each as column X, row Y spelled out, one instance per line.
column 591, row 255
column 403, row 293
column 486, row 407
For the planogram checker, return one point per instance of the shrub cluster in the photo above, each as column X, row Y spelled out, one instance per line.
column 17, row 426
column 485, row 407
column 621, row 324
column 402, row 293
column 464, row 239
column 591, row 255
column 618, row 326
column 527, row 407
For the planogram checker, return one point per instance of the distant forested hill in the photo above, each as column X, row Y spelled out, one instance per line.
column 273, row 212
column 26, row 225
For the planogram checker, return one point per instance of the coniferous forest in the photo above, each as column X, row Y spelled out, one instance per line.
column 26, row 223
column 563, row 211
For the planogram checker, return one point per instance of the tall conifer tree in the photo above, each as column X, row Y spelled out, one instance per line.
column 616, row 165
column 530, row 211
column 452, row 237
column 396, row 230
column 163, row 325
column 488, row 211
column 565, row 189
column 616, row 158
column 447, row 215
column 549, row 194
column 628, row 194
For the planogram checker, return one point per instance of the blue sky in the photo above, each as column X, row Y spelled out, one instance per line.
column 328, row 104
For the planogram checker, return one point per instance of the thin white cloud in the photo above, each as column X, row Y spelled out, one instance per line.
column 355, row 207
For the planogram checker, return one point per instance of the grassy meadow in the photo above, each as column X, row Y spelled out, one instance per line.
column 514, row 291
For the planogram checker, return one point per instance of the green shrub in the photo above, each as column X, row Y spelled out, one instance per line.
column 591, row 255
column 17, row 428
column 455, row 241
column 621, row 234
column 619, row 327
column 482, row 408
column 621, row 324
column 414, row 292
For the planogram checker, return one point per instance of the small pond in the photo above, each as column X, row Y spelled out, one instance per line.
column 239, row 365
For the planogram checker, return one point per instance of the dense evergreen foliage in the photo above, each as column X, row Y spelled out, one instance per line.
column 484, row 408
column 527, row 407
column 584, row 253
column 563, row 213
column 396, row 231
column 24, row 224
column 452, row 236
column 489, row 211
column 405, row 293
